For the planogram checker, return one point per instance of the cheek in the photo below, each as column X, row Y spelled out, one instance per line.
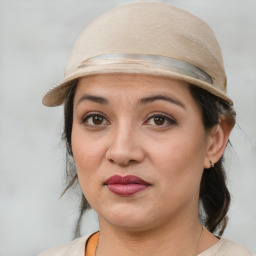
column 87, row 156
column 180, row 151
column 180, row 161
column 85, row 148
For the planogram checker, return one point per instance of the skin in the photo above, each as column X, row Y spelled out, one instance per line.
column 162, row 141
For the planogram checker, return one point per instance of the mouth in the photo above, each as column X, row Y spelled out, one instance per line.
column 126, row 185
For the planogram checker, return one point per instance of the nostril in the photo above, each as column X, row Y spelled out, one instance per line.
column 122, row 162
column 111, row 160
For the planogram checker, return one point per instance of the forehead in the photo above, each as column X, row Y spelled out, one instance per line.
column 111, row 85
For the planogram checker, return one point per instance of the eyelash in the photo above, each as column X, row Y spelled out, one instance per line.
column 91, row 115
column 170, row 120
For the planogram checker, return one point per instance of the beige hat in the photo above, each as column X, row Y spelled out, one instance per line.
column 146, row 38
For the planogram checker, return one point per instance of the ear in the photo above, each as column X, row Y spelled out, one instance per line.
column 217, row 141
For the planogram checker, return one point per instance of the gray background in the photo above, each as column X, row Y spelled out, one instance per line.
column 36, row 37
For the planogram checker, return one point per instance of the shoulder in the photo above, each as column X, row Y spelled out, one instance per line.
column 227, row 248
column 75, row 247
column 230, row 248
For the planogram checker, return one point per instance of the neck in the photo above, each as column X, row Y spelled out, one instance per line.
column 176, row 240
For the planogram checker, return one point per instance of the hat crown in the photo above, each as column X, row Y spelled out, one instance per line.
column 151, row 28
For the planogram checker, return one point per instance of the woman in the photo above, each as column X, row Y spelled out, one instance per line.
column 147, row 120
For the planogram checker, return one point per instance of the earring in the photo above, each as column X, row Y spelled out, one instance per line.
column 211, row 163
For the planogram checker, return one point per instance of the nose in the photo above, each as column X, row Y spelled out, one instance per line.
column 125, row 148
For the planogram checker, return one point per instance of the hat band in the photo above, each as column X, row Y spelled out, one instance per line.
column 150, row 60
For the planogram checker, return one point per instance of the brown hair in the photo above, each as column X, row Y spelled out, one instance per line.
column 214, row 194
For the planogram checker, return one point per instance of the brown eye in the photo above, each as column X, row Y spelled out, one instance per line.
column 159, row 120
column 95, row 120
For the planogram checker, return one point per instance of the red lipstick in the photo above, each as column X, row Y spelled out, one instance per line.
column 127, row 185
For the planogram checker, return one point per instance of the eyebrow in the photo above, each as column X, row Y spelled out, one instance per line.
column 93, row 98
column 143, row 101
column 153, row 98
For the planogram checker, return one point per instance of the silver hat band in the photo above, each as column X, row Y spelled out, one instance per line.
column 150, row 60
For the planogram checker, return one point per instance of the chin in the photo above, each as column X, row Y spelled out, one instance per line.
column 128, row 218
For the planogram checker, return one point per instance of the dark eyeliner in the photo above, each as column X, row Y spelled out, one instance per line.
column 171, row 120
column 91, row 114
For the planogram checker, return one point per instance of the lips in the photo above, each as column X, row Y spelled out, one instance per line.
column 126, row 185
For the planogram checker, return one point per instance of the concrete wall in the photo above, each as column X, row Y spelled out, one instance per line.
column 35, row 39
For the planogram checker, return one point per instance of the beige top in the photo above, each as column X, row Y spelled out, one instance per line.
column 222, row 248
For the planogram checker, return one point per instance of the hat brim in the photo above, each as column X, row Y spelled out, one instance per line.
column 55, row 96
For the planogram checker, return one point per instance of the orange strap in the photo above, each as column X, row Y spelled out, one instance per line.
column 91, row 244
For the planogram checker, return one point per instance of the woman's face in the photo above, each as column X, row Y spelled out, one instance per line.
column 140, row 148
